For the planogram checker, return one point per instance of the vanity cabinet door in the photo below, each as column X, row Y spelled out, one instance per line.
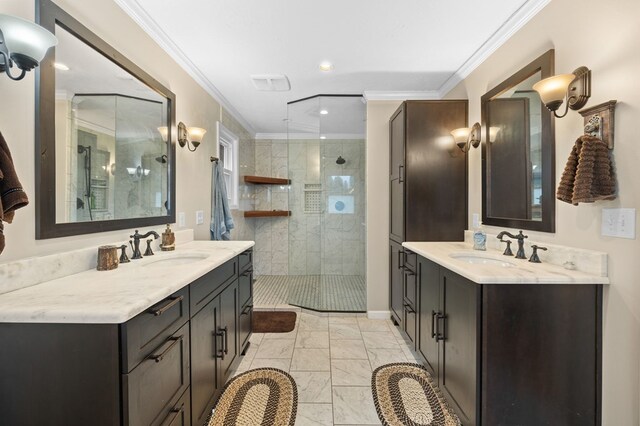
column 397, row 173
column 206, row 348
column 429, row 308
column 229, row 327
column 458, row 366
column 396, row 277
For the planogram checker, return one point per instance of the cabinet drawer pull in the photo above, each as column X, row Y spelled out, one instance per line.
column 246, row 310
column 408, row 271
column 172, row 302
column 247, row 273
column 218, row 353
column 400, row 170
column 159, row 357
column 409, row 309
column 173, row 415
column 400, row 265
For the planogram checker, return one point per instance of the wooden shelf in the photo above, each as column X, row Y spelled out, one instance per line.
column 266, row 213
column 263, row 180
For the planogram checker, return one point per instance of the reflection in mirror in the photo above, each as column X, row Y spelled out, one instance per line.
column 518, row 157
column 105, row 134
column 111, row 156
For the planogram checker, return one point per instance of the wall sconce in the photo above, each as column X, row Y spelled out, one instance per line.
column 576, row 87
column 493, row 133
column 22, row 43
column 195, row 133
column 466, row 137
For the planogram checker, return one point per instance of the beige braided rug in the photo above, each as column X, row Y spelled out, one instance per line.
column 264, row 396
column 405, row 395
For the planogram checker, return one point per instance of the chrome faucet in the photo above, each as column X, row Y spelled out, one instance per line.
column 136, row 242
column 520, row 238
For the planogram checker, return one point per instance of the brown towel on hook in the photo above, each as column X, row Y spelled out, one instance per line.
column 588, row 175
column 12, row 197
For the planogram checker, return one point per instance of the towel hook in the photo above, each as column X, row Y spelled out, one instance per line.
column 214, row 159
column 599, row 121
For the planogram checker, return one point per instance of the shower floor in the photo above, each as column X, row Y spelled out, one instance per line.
column 333, row 293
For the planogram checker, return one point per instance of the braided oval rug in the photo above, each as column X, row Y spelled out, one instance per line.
column 405, row 394
column 264, row 396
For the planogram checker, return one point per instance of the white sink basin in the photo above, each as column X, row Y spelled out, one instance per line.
column 478, row 259
column 181, row 259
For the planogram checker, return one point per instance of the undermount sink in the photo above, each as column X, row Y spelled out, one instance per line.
column 478, row 259
column 181, row 259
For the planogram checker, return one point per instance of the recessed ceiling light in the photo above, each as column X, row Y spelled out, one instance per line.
column 326, row 66
column 60, row 66
column 323, row 137
column 324, row 112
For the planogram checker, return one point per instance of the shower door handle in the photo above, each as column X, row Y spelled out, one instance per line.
column 400, row 173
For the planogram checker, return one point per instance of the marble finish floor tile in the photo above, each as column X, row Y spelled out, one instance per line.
column 379, row 357
column 344, row 331
column 313, row 323
column 275, row 348
column 379, row 340
column 353, row 405
column 313, row 386
column 367, row 324
column 348, row 349
column 310, row 360
column 279, row 363
column 350, row 372
column 313, row 340
column 314, row 415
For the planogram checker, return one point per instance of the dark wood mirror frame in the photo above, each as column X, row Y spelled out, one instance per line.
column 545, row 65
column 49, row 15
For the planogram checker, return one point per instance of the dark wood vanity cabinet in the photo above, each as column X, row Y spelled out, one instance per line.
column 511, row 354
column 166, row 366
column 427, row 184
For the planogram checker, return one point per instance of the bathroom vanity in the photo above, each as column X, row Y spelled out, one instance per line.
column 150, row 343
column 509, row 342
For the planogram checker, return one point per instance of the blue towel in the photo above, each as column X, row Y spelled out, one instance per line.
column 221, row 220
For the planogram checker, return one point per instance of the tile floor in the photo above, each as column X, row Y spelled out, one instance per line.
column 331, row 357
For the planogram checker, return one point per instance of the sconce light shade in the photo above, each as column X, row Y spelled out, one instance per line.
column 493, row 133
column 465, row 137
column 576, row 87
column 24, row 43
column 164, row 133
column 196, row 134
column 460, row 136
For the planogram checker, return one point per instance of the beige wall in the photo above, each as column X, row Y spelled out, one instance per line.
column 194, row 106
column 377, row 172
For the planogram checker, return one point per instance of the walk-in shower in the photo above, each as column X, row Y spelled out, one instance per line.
column 326, row 229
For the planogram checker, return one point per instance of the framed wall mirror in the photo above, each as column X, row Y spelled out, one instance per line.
column 105, row 151
column 518, row 157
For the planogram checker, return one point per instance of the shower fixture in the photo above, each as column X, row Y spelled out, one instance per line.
column 162, row 159
column 340, row 160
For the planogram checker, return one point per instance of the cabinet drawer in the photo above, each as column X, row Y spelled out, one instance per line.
column 410, row 322
column 158, row 382
column 145, row 332
column 178, row 414
column 245, row 287
column 244, row 325
column 245, row 260
column 205, row 288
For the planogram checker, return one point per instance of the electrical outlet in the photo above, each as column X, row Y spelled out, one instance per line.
column 199, row 217
column 182, row 220
column 619, row 223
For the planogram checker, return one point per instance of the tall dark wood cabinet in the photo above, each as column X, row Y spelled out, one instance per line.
column 428, row 191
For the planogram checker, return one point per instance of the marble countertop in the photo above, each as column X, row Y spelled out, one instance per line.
column 116, row 296
column 522, row 271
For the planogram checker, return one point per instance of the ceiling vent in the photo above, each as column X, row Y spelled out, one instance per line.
column 271, row 82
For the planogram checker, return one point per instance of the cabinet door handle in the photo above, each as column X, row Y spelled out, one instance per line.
column 441, row 336
column 226, row 340
column 433, row 324
column 247, row 273
column 159, row 357
column 400, row 170
column 171, row 303
column 173, row 415
column 246, row 310
column 400, row 265
column 220, row 353
column 409, row 308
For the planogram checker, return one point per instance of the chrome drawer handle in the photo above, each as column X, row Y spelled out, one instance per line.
column 159, row 357
column 171, row 303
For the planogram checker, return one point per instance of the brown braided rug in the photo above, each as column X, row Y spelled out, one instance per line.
column 405, row 394
column 264, row 396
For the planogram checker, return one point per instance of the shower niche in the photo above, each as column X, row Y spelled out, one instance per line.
column 326, row 165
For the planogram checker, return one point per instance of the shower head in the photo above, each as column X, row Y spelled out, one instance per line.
column 82, row 149
column 162, row 159
column 340, row 160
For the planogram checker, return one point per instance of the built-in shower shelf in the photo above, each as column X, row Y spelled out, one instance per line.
column 267, row 213
column 264, row 180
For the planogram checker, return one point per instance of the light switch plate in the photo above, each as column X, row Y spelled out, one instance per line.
column 619, row 223
column 182, row 220
column 199, row 217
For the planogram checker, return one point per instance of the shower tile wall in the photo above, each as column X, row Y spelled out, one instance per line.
column 329, row 242
column 245, row 229
column 271, row 252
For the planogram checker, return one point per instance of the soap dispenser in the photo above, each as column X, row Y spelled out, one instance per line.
column 168, row 240
column 479, row 236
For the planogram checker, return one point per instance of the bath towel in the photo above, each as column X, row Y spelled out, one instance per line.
column 12, row 196
column 221, row 220
column 588, row 175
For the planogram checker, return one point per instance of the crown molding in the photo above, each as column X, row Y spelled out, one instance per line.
column 151, row 27
column 307, row 136
column 390, row 95
column 516, row 21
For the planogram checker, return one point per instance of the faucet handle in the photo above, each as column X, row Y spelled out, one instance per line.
column 149, row 252
column 507, row 251
column 534, row 256
column 123, row 256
